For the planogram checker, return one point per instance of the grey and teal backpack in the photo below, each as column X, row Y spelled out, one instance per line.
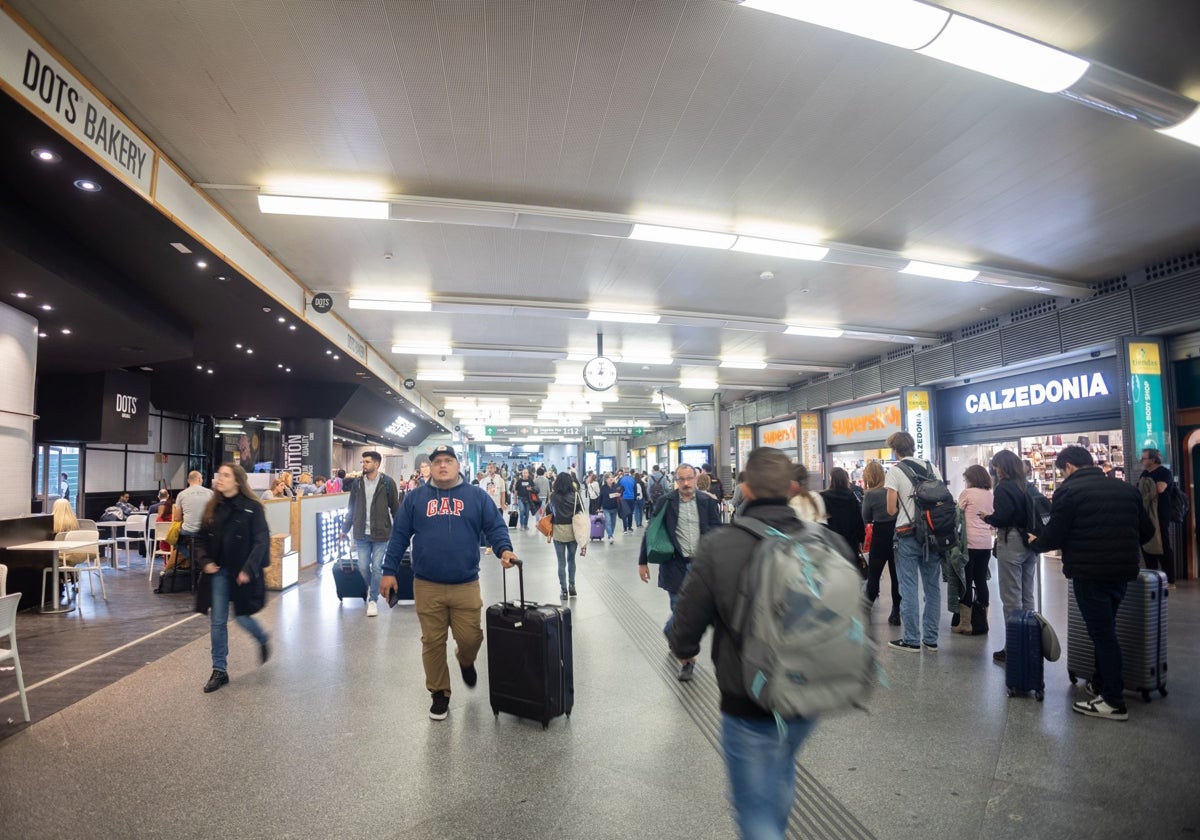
column 804, row 624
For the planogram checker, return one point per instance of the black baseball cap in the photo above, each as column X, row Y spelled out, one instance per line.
column 444, row 449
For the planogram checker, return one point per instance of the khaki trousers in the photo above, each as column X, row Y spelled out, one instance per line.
column 447, row 606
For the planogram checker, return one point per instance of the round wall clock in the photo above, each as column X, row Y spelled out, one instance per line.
column 600, row 374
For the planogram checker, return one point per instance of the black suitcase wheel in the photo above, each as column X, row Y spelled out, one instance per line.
column 1012, row 692
column 1145, row 696
column 1071, row 674
column 1040, row 695
column 545, row 724
column 496, row 712
column 1162, row 692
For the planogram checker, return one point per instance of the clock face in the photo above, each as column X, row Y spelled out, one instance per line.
column 600, row 374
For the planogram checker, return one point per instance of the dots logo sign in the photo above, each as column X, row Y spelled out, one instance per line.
column 126, row 406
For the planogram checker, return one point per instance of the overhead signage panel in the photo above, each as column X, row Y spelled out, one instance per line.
column 32, row 73
column 862, row 423
column 1084, row 389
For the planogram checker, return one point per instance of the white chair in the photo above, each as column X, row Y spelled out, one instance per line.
column 8, row 627
column 3, row 580
column 92, row 564
column 135, row 533
column 160, row 535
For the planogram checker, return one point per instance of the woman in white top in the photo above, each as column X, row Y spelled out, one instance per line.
column 976, row 502
column 808, row 505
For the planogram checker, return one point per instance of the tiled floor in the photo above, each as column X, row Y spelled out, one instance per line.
column 331, row 738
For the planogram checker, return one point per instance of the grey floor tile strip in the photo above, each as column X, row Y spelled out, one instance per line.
column 816, row 813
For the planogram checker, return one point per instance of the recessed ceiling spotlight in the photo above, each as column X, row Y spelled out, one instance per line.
column 66, row 330
column 210, row 370
column 282, row 320
column 146, row 367
column 328, row 352
column 266, row 309
column 291, row 326
column 222, row 278
column 287, row 370
column 249, row 349
column 238, row 346
column 279, row 366
column 41, row 335
column 47, row 307
column 199, row 367
column 87, row 186
column 46, row 156
column 201, row 264
column 336, row 356
column 21, row 295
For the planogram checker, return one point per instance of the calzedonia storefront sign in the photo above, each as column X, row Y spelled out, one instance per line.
column 1085, row 390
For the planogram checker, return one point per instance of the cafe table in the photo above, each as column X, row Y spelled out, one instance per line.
column 54, row 548
column 116, row 529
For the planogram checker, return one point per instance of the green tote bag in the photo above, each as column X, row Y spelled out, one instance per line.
column 659, row 548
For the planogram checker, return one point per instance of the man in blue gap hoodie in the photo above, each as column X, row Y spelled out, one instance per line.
column 445, row 520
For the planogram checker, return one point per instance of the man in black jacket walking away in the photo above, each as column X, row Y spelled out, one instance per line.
column 759, row 753
column 1100, row 525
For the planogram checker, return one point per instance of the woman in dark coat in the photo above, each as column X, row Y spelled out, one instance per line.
column 235, row 542
column 844, row 510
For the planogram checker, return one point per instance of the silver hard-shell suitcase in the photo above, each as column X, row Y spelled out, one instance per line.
column 1141, row 632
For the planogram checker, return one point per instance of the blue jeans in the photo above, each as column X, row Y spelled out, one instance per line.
column 911, row 560
column 627, row 514
column 673, row 599
column 637, row 511
column 525, row 508
column 565, row 551
column 370, row 564
column 762, row 772
column 1098, row 601
column 219, row 622
column 610, row 521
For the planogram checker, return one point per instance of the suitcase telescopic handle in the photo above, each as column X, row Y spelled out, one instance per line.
column 520, row 579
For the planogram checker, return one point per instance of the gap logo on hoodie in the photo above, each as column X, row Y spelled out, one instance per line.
column 445, row 506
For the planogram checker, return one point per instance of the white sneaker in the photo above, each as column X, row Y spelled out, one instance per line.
column 372, row 610
column 406, row 602
column 1098, row 708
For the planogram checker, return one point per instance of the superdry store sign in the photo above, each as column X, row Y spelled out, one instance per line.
column 862, row 423
column 1080, row 391
column 28, row 69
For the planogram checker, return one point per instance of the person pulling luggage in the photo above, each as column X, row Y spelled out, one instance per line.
column 445, row 521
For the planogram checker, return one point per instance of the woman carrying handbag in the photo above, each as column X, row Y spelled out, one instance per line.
column 566, row 505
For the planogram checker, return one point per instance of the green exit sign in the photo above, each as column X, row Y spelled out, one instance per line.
column 490, row 431
column 638, row 430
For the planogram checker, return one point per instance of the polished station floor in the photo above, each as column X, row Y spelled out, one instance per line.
column 331, row 738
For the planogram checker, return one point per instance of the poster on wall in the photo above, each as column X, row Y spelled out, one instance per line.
column 673, row 454
column 1145, row 357
column 810, row 442
column 745, row 443
column 918, row 420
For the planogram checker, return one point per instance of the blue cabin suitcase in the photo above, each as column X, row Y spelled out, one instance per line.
column 531, row 670
column 1023, row 662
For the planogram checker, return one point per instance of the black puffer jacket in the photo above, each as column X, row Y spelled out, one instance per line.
column 845, row 516
column 238, row 540
column 1008, row 506
column 1099, row 524
column 709, row 596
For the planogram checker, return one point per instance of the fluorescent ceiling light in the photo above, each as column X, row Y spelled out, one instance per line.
column 424, row 349
column 653, row 360
column 1005, row 55
column 818, row 332
column 779, row 248
column 391, row 305
column 941, row 272
column 440, row 375
column 903, row 23
column 338, row 208
column 622, row 317
column 744, row 364
column 699, row 384
column 682, row 236
column 1188, row 131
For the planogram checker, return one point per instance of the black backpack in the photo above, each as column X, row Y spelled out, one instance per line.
column 1177, row 502
column 934, row 509
column 1037, row 508
column 658, row 487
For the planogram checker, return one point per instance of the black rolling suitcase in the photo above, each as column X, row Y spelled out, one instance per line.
column 1141, row 632
column 348, row 579
column 530, row 663
column 1024, row 658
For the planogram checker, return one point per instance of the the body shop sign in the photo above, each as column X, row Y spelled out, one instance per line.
column 778, row 435
column 1145, row 356
column 48, row 86
column 918, row 420
column 863, row 423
